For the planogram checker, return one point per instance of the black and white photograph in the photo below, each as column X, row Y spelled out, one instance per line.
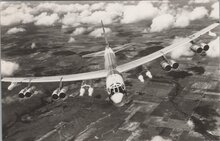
column 110, row 70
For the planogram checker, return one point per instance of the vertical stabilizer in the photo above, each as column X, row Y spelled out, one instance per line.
column 106, row 40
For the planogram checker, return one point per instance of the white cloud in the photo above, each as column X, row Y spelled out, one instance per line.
column 182, row 19
column 214, row 49
column 162, row 22
column 97, row 6
column 184, row 51
column 8, row 68
column 46, row 20
column 98, row 32
column 97, row 16
column 215, row 11
column 79, row 30
column 16, row 14
column 71, row 40
column 198, row 13
column 15, row 30
column 142, row 11
column 159, row 138
column 199, row 1
column 71, row 19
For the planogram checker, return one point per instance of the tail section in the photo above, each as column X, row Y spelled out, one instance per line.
column 106, row 40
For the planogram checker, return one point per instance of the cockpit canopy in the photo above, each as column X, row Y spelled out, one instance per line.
column 116, row 88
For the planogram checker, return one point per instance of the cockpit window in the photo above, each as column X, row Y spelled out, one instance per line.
column 120, row 89
column 116, row 90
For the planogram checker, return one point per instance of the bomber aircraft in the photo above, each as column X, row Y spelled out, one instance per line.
column 115, row 85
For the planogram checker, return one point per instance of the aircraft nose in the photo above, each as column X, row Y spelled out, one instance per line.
column 117, row 99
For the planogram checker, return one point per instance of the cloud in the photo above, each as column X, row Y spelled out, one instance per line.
column 215, row 11
column 97, row 6
column 79, row 30
column 71, row 40
column 71, row 19
column 162, row 22
column 8, row 68
column 16, row 14
column 159, row 138
column 46, row 19
column 97, row 16
column 142, row 11
column 214, row 51
column 15, row 30
column 198, row 13
column 184, row 51
column 199, row 1
column 98, row 32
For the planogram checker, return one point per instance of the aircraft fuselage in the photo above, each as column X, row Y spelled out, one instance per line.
column 114, row 80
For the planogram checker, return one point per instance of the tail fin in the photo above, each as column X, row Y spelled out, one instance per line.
column 106, row 40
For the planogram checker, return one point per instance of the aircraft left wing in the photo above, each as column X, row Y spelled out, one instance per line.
column 133, row 64
column 72, row 77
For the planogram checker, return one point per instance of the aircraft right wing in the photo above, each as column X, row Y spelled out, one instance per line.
column 133, row 64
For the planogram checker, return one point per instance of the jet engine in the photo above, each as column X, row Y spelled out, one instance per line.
column 174, row 64
column 90, row 91
column 205, row 47
column 62, row 93
column 82, row 91
column 165, row 65
column 29, row 91
column 196, row 48
column 55, row 94
column 21, row 94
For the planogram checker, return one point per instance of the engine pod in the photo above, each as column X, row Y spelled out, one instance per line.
column 166, row 66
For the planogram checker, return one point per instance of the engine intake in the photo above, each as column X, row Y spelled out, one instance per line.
column 166, row 66
column 174, row 64
column 196, row 48
column 62, row 93
column 205, row 47
column 55, row 94
column 30, row 91
column 21, row 94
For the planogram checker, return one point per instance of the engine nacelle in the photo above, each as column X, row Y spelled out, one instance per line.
column 165, row 65
column 55, row 94
column 21, row 94
column 12, row 85
column 82, row 91
column 90, row 91
column 30, row 91
column 62, row 93
column 204, row 46
column 196, row 48
column 141, row 78
column 174, row 64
